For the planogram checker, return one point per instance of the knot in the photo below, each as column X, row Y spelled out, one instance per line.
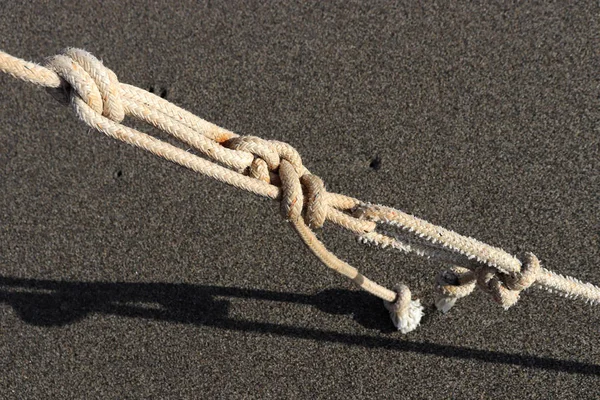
column 530, row 268
column 505, row 289
column 299, row 187
column 453, row 284
column 489, row 281
column 405, row 312
column 86, row 77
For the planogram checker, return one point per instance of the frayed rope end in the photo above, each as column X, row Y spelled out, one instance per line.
column 406, row 313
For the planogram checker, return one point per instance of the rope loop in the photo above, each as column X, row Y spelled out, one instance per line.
column 292, row 199
column 456, row 282
column 259, row 147
column 316, row 200
column 453, row 284
column 530, row 269
column 85, row 76
column 287, row 152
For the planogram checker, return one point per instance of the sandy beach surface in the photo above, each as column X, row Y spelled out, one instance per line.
column 123, row 275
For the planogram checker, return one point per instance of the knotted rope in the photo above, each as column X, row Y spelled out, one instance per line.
column 275, row 170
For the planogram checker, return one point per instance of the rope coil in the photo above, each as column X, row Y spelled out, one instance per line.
column 274, row 169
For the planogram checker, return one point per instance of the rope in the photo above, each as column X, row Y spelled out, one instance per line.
column 275, row 170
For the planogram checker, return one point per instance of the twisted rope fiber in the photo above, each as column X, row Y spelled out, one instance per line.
column 274, row 169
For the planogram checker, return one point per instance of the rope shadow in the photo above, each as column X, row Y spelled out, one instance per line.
column 57, row 303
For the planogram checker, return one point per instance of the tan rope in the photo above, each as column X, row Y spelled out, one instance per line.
column 274, row 169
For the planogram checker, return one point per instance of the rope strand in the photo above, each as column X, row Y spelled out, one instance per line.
column 274, row 169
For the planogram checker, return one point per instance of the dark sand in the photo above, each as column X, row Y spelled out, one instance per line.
column 125, row 276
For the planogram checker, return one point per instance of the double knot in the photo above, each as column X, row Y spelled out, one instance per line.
column 504, row 288
column 280, row 164
column 87, row 79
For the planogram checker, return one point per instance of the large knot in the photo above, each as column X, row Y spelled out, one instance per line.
column 280, row 164
column 89, row 79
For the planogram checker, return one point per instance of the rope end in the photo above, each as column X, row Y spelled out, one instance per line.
column 406, row 313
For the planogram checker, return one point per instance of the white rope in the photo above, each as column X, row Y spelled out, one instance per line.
column 274, row 169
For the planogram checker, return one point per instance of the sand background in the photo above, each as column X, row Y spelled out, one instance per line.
column 125, row 276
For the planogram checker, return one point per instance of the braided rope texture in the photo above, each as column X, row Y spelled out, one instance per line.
column 275, row 170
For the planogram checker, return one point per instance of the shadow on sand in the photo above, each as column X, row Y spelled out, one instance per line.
column 54, row 303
